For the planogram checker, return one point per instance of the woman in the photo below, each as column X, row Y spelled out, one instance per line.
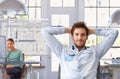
column 14, row 55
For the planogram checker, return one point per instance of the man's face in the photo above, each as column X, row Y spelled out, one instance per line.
column 79, row 37
column 10, row 45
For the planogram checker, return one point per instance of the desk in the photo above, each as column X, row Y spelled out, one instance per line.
column 27, row 62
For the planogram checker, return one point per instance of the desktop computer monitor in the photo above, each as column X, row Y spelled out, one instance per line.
column 3, row 51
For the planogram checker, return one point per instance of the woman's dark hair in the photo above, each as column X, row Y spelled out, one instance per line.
column 79, row 25
column 10, row 39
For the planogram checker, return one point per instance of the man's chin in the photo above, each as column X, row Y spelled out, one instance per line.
column 80, row 46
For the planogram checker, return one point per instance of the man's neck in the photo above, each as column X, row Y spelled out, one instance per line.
column 80, row 48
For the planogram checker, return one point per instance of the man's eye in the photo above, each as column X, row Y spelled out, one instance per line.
column 83, row 34
column 76, row 34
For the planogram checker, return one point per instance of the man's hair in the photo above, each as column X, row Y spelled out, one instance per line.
column 79, row 25
column 10, row 39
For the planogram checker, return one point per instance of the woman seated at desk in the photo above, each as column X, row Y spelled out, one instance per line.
column 15, row 55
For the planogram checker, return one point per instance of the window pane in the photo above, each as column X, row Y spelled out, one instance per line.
column 90, row 2
column 34, row 9
column 32, row 2
column 91, row 40
column 115, row 3
column 103, row 3
column 90, row 16
column 35, row 13
column 103, row 12
column 56, row 3
column 58, row 20
column 68, row 3
column 38, row 2
column 38, row 12
column 31, row 13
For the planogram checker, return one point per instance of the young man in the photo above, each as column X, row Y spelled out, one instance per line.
column 79, row 62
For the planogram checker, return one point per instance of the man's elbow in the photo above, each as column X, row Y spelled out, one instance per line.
column 115, row 32
column 43, row 31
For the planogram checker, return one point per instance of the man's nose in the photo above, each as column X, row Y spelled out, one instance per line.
column 79, row 37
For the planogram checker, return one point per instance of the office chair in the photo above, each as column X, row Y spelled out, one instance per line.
column 59, row 71
column 102, row 74
column 24, row 69
column 98, row 71
column 6, row 76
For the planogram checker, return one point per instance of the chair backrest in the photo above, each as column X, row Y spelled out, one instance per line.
column 98, row 71
column 23, row 60
column 24, row 69
column 59, row 71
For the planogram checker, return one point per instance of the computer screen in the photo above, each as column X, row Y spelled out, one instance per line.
column 3, row 51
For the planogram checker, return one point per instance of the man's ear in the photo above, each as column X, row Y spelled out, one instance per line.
column 71, row 36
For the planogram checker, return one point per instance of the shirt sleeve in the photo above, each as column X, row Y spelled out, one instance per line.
column 110, row 36
column 20, row 58
column 48, row 35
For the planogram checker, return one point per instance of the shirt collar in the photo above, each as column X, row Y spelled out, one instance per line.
column 75, row 50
